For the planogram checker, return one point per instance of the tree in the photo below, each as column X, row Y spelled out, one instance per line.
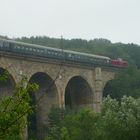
column 14, row 109
column 120, row 120
column 125, row 83
column 55, row 123
column 72, row 125
column 83, row 125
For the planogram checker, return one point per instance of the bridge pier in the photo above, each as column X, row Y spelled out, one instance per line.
column 98, row 89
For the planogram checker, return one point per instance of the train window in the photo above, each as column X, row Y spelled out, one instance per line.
column 1, row 44
column 49, row 52
column 59, row 53
column 6, row 44
column 11, row 45
column 52, row 52
column 15, row 47
column 20, row 47
column 26, row 49
column 30, row 49
column 41, row 51
column 78, row 56
column 70, row 55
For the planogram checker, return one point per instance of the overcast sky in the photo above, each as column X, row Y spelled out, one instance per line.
column 116, row 20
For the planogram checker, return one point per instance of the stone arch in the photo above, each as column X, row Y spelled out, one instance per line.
column 107, row 88
column 78, row 93
column 7, row 86
column 45, row 97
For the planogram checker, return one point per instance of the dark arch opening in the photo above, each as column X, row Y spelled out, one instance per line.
column 113, row 89
column 44, row 98
column 107, row 89
column 78, row 93
column 7, row 83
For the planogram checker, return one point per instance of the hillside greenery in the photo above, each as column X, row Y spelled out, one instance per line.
column 127, row 82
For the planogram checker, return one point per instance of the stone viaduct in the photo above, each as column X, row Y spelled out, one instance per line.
column 60, row 84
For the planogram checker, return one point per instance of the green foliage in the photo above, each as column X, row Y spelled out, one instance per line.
column 64, row 134
column 4, row 76
column 118, row 120
column 55, row 124
column 82, row 125
column 13, row 111
column 126, row 82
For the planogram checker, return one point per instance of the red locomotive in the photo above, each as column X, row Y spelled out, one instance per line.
column 119, row 63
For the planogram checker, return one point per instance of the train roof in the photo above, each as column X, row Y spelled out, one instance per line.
column 56, row 49
column 87, row 54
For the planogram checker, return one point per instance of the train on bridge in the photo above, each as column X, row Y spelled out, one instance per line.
column 26, row 49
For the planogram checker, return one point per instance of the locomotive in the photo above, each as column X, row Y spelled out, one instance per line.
column 119, row 63
column 26, row 49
